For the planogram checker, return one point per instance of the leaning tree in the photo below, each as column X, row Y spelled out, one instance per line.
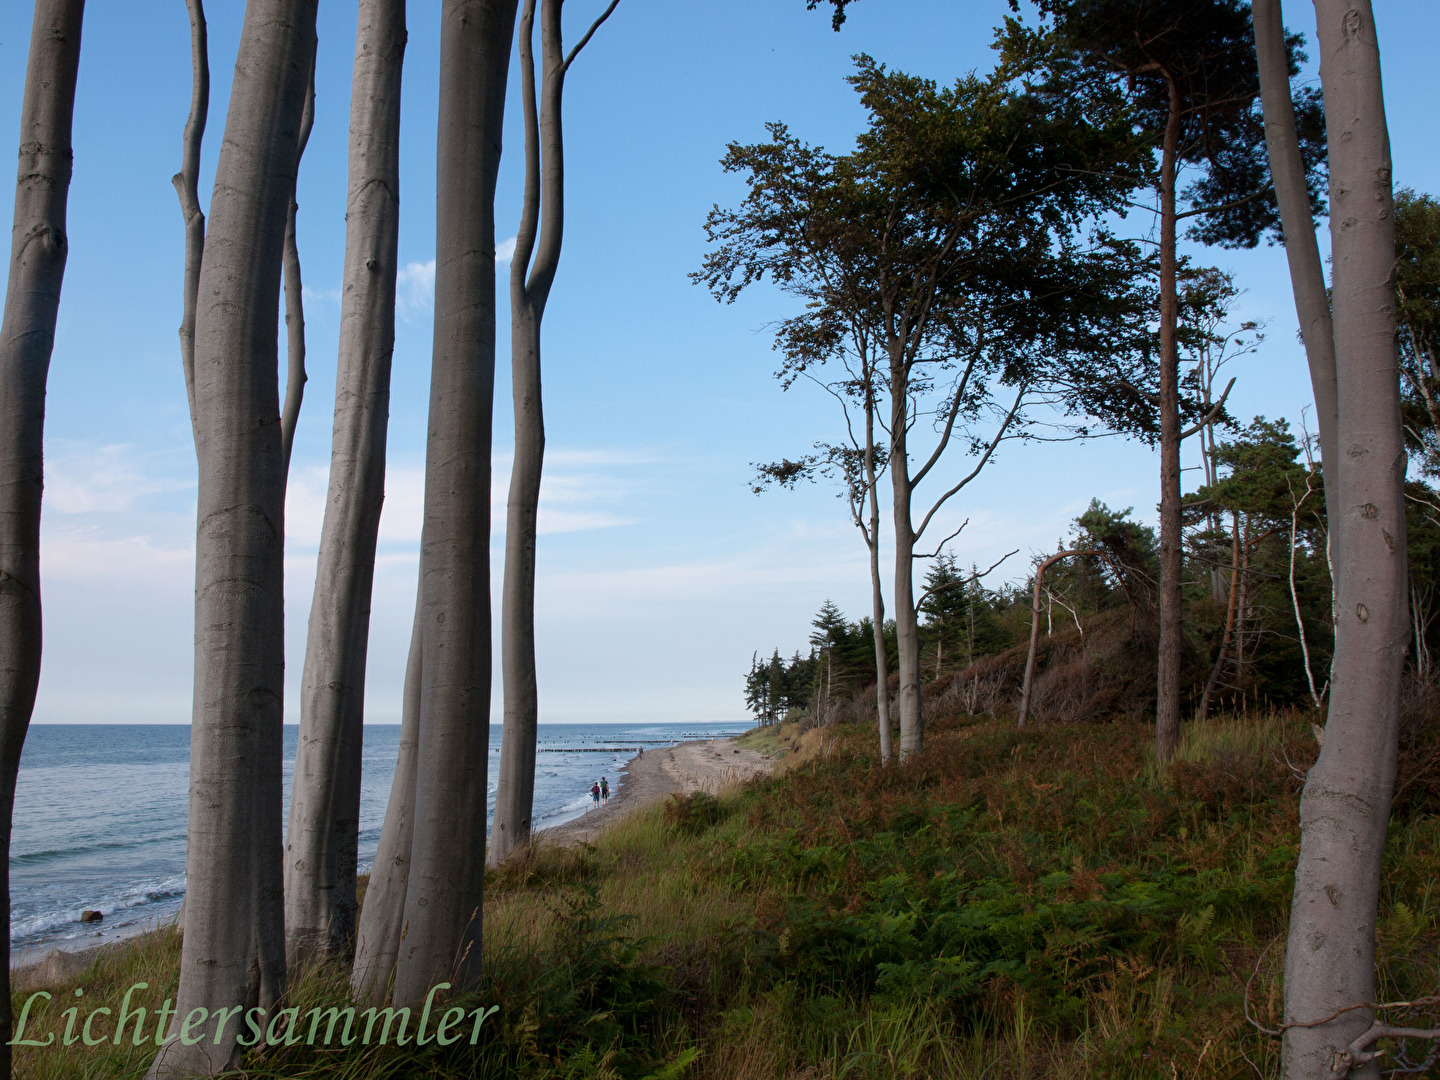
column 38, row 248
column 234, row 948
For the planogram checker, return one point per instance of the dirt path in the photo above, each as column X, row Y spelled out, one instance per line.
column 706, row 765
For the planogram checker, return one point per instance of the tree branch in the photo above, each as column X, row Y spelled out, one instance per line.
column 941, row 546
column 1209, row 417
column 989, row 450
column 295, row 376
column 963, row 581
column 570, row 59
column 187, row 182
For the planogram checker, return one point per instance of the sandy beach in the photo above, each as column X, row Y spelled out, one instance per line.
column 707, row 765
column 703, row 765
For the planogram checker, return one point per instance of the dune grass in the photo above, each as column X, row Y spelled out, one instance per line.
column 1013, row 905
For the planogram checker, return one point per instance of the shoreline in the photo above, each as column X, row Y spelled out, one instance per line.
column 699, row 765
column 647, row 778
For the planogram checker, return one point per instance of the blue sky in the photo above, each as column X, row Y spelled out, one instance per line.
column 660, row 572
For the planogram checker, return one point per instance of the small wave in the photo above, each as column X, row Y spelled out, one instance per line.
column 141, row 895
column 89, row 849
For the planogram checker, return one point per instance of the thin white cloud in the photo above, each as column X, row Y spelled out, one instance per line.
column 415, row 284
column 305, row 492
column 309, row 295
column 81, row 479
column 86, row 554
column 415, row 290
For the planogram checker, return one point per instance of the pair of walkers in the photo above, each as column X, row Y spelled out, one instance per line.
column 600, row 791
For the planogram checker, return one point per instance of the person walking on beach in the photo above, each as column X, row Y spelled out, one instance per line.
column 595, row 794
column 604, row 790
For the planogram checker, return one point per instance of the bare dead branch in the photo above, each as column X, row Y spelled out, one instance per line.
column 1209, row 417
column 941, row 546
column 963, row 581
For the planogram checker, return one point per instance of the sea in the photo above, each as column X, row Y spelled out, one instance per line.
column 100, row 813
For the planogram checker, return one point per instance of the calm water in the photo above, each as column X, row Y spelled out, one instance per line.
column 100, row 811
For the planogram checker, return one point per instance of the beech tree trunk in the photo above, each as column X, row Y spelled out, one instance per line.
column 907, row 624
column 1307, row 276
column 382, row 919
column 532, row 273
column 320, row 849
column 234, row 949
column 38, row 248
column 447, row 862
column 1167, row 684
column 1345, row 807
column 544, row 197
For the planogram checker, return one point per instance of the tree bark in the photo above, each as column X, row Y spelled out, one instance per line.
column 1167, row 685
column 544, row 196
column 907, row 625
column 295, row 376
column 1307, row 276
column 532, row 272
column 321, row 843
column 1345, row 807
column 234, row 949
column 447, row 868
column 38, row 248
column 877, row 594
column 382, row 919
column 187, row 186
column 1035, row 629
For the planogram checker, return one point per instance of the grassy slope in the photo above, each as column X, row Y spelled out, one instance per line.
column 1013, row 905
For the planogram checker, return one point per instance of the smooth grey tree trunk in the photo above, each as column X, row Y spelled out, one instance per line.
column 902, row 486
column 234, row 948
column 382, row 919
column 1345, row 807
column 447, row 861
column 907, row 625
column 1307, row 275
column 320, row 846
column 544, row 197
column 38, row 248
column 532, row 273
column 295, row 376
